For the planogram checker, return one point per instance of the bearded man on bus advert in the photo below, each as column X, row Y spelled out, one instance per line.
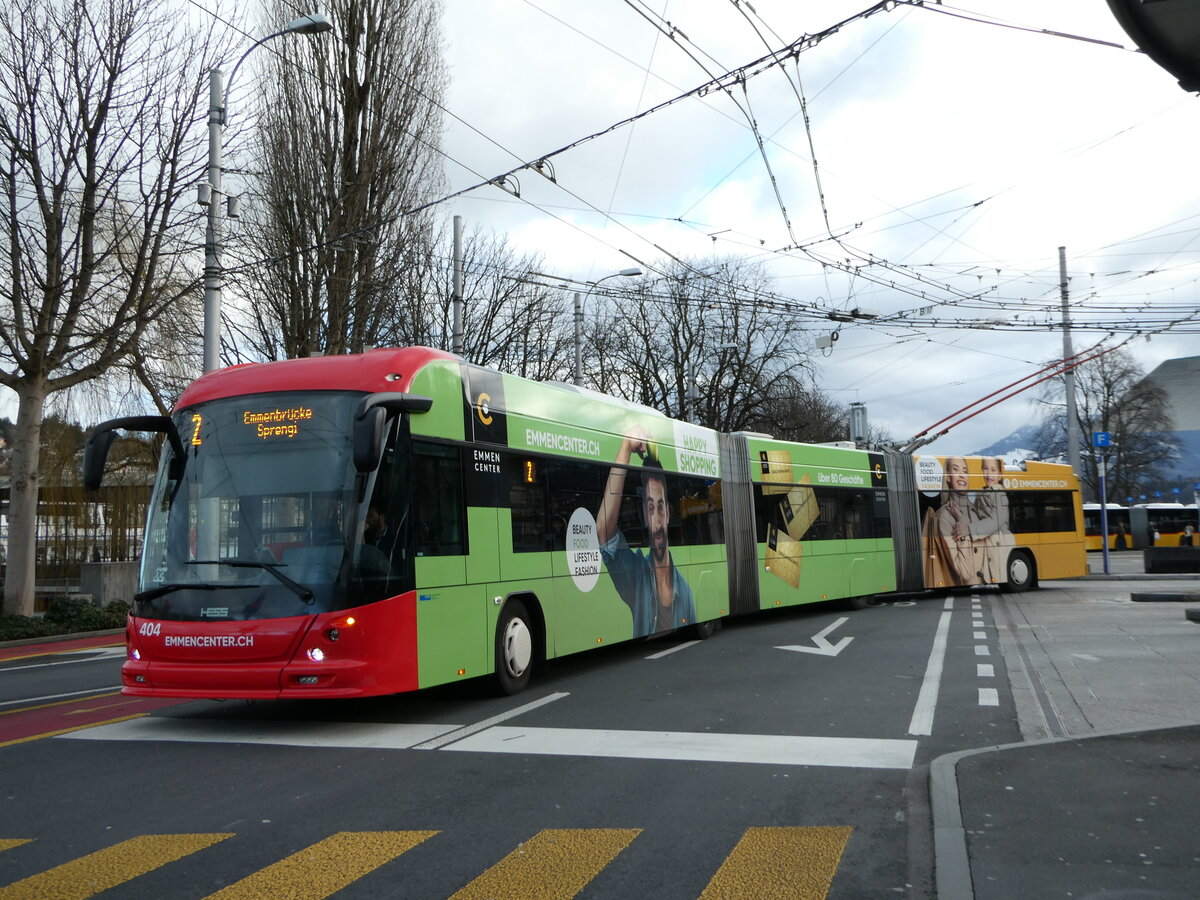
column 657, row 595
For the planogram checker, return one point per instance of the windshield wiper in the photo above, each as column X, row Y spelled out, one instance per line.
column 235, row 563
column 155, row 592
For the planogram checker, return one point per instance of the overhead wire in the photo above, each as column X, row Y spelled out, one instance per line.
column 723, row 81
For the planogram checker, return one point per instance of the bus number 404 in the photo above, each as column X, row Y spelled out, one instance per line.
column 150, row 629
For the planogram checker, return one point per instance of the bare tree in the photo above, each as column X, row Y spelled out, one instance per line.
column 511, row 320
column 97, row 106
column 1111, row 395
column 347, row 144
column 697, row 344
column 805, row 415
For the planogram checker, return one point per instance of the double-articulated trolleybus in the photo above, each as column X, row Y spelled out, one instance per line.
column 359, row 525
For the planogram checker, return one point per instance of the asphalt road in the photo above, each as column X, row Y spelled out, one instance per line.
column 787, row 756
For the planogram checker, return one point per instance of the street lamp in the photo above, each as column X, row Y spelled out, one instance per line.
column 210, row 194
column 627, row 273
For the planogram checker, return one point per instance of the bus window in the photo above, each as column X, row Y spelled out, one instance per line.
column 383, row 555
column 527, row 500
column 1032, row 512
column 574, row 485
column 700, row 511
column 438, row 500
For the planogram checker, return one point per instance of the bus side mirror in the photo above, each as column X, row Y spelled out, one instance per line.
column 369, row 429
column 95, row 450
column 95, row 453
column 370, row 424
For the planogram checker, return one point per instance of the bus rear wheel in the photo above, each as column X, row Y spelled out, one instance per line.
column 514, row 648
column 702, row 631
column 1021, row 574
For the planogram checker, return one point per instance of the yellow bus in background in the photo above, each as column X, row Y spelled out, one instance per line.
column 1119, row 535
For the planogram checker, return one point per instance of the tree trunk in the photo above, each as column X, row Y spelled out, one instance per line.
column 23, row 499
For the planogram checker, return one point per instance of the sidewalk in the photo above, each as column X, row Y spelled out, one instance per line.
column 61, row 643
column 1103, row 797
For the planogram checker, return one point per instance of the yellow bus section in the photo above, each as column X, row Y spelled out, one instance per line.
column 768, row 863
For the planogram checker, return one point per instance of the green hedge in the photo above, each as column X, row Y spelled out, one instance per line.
column 65, row 615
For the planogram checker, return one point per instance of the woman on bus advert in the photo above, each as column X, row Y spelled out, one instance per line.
column 989, row 523
column 946, row 531
column 965, row 534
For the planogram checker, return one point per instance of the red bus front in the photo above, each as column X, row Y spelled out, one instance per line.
column 274, row 565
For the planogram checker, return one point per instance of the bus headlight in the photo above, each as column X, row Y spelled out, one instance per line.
column 316, row 654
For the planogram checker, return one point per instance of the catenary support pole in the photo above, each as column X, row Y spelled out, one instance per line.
column 457, row 345
column 578, row 338
column 212, row 237
column 1073, row 454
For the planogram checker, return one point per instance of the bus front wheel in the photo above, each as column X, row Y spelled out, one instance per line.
column 1021, row 573
column 514, row 648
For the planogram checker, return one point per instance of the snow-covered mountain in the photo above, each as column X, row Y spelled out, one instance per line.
column 1013, row 448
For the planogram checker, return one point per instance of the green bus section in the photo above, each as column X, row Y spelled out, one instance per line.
column 822, row 517
column 536, row 461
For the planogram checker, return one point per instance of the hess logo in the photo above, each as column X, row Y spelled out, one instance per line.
column 483, row 408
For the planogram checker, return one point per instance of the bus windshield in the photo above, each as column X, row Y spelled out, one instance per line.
column 260, row 520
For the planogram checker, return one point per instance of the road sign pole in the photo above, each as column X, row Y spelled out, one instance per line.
column 1100, row 441
column 1103, row 512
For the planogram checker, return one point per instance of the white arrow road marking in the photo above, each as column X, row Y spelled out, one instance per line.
column 821, row 645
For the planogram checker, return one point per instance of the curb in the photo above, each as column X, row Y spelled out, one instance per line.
column 1165, row 597
column 1135, row 576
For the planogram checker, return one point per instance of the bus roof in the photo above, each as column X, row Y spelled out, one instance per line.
column 387, row 369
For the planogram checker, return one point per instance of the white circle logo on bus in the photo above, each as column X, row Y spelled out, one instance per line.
column 929, row 475
column 583, row 550
column 483, row 408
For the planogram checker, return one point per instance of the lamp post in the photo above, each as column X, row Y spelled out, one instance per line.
column 210, row 194
column 627, row 273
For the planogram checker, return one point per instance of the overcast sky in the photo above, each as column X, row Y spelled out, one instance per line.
column 955, row 158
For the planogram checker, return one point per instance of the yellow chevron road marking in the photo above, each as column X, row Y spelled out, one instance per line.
column 99, row 871
column 326, row 867
column 779, row 863
column 555, row 864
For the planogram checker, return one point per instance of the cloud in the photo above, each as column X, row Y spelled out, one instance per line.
column 954, row 157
